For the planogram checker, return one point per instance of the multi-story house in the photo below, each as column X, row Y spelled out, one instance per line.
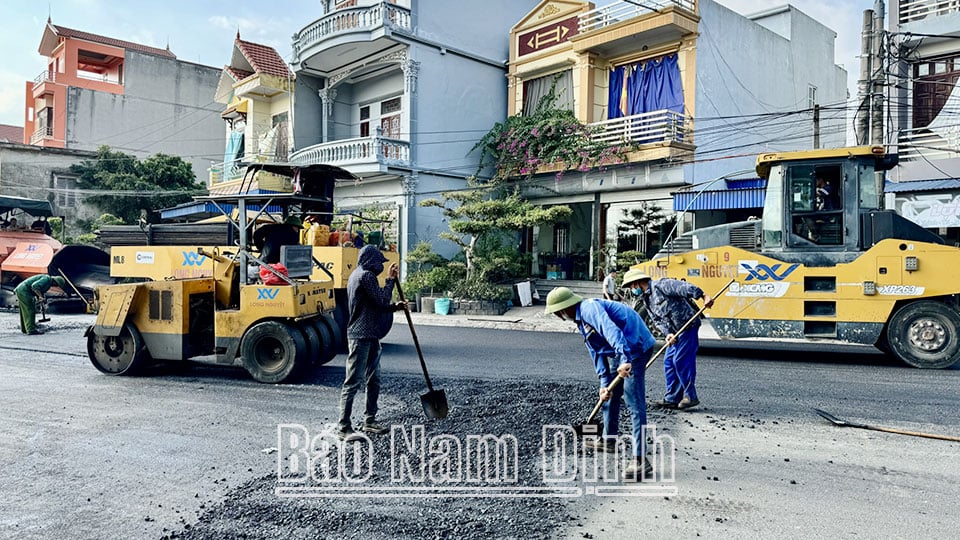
column 691, row 88
column 137, row 99
column 398, row 92
column 256, row 92
column 924, row 101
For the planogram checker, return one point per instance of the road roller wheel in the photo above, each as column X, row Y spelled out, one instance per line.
column 273, row 352
column 338, row 332
column 329, row 350
column 123, row 354
column 314, row 341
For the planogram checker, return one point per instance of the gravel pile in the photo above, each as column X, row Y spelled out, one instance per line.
column 476, row 407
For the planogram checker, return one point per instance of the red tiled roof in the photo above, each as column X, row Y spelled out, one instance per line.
column 71, row 33
column 10, row 133
column 237, row 74
column 264, row 59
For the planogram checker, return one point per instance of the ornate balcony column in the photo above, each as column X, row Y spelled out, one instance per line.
column 327, row 97
column 411, row 68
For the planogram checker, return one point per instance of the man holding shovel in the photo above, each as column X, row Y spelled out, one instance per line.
column 28, row 292
column 371, row 316
column 668, row 303
column 617, row 340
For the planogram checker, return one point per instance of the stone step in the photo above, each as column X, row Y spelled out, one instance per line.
column 587, row 289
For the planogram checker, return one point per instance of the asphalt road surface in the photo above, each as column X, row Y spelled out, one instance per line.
column 192, row 450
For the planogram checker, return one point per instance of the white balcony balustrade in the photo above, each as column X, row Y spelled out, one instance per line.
column 923, row 144
column 622, row 11
column 918, row 10
column 359, row 151
column 645, row 128
column 360, row 19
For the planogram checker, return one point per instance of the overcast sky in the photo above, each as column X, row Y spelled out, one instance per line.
column 202, row 31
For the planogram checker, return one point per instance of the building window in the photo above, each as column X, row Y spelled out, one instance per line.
column 365, row 121
column 535, row 89
column 933, row 81
column 390, row 118
column 66, row 189
column 811, row 96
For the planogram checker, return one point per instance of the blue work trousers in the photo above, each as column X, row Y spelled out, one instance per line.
column 680, row 366
column 633, row 392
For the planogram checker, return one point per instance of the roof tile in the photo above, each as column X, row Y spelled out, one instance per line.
column 96, row 38
column 264, row 59
column 13, row 134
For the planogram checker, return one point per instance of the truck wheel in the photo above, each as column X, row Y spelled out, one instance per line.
column 123, row 354
column 925, row 334
column 270, row 351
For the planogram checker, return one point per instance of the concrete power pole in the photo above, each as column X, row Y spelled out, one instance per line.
column 878, row 91
column 862, row 124
column 878, row 76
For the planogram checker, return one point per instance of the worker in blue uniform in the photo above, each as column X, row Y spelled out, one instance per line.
column 619, row 343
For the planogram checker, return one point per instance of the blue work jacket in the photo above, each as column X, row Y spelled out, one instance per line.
column 612, row 330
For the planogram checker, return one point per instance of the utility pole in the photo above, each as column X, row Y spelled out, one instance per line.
column 877, row 92
column 816, row 126
column 878, row 81
column 864, row 110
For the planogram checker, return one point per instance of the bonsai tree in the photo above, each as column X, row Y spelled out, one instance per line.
column 476, row 213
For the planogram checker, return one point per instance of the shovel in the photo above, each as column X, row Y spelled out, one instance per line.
column 434, row 401
column 843, row 423
column 43, row 311
column 90, row 308
column 596, row 428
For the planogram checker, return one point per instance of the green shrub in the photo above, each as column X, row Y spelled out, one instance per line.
column 477, row 289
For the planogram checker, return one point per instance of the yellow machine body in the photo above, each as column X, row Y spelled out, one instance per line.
column 826, row 261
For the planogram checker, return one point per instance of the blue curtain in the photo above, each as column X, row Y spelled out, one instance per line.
column 671, row 90
column 615, row 93
column 653, row 85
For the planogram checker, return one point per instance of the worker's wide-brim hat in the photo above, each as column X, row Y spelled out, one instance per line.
column 634, row 275
column 561, row 298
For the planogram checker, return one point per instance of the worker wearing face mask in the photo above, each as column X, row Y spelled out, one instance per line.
column 668, row 303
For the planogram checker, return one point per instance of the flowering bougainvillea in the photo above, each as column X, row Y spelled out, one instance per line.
column 520, row 145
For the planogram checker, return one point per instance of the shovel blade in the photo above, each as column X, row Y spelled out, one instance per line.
column 590, row 429
column 435, row 404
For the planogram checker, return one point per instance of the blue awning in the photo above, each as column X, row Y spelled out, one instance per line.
column 922, row 185
column 748, row 193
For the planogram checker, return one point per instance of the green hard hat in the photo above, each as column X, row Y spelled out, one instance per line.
column 634, row 275
column 561, row 298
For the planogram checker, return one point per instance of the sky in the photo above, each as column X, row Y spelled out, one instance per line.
column 202, row 31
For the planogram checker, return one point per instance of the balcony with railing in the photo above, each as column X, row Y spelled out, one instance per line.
column 44, row 132
column 663, row 126
column 362, row 154
column 616, row 28
column 349, row 26
column 928, row 17
column 924, row 144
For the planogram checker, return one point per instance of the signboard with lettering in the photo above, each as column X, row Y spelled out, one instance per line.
column 547, row 36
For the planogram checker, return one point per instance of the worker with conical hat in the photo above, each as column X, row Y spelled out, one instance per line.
column 668, row 302
column 617, row 341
